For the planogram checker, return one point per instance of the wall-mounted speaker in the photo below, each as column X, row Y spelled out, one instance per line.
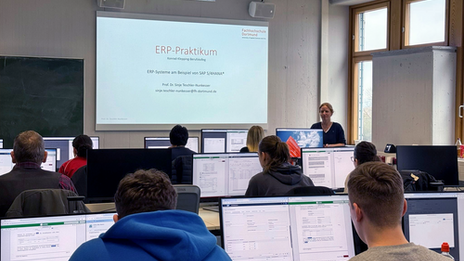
column 261, row 10
column 118, row 4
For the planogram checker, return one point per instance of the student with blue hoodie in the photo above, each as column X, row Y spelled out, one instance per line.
column 148, row 228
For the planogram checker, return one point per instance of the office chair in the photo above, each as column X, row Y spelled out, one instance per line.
column 80, row 180
column 42, row 202
column 188, row 197
column 311, row 191
column 182, row 169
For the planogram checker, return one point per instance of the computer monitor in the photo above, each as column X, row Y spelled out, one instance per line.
column 64, row 148
column 224, row 174
column 106, row 167
column 50, row 237
column 6, row 164
column 287, row 228
column 222, row 141
column 439, row 161
column 300, row 138
column 327, row 167
column 1, row 143
column 164, row 143
column 434, row 218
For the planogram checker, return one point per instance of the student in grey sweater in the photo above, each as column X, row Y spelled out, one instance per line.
column 278, row 176
column 377, row 204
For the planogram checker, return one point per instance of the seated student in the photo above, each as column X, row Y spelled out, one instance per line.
column 28, row 154
column 377, row 205
column 148, row 228
column 178, row 138
column 278, row 176
column 254, row 136
column 80, row 144
column 363, row 152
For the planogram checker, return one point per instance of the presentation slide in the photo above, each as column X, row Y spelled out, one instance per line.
column 169, row 70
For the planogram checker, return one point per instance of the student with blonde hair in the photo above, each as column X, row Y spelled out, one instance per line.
column 278, row 175
column 255, row 135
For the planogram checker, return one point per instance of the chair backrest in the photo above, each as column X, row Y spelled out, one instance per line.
column 311, row 191
column 183, row 166
column 80, row 180
column 188, row 197
column 42, row 202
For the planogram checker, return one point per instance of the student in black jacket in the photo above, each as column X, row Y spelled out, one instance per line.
column 278, row 176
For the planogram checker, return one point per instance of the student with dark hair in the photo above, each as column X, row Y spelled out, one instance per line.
column 278, row 176
column 179, row 136
column 147, row 226
column 363, row 152
column 377, row 205
column 28, row 154
column 80, row 144
column 254, row 136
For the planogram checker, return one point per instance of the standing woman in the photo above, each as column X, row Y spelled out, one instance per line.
column 278, row 176
column 254, row 136
column 333, row 134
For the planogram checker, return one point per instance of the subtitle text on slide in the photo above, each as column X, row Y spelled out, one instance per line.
column 202, row 73
column 185, row 91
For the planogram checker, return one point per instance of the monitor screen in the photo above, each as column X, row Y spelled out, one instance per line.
column 64, row 148
column 222, row 141
column 300, row 138
column 224, row 174
column 327, row 167
column 106, row 167
column 6, row 163
column 164, row 143
column 434, row 218
column 1, row 144
column 439, row 161
column 50, row 237
column 287, row 228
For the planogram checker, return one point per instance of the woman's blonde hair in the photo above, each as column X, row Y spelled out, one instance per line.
column 255, row 135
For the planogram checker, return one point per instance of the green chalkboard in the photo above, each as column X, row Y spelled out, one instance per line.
column 41, row 94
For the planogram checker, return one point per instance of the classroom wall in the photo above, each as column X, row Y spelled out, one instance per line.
column 66, row 28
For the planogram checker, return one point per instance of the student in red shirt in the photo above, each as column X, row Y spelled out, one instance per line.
column 81, row 144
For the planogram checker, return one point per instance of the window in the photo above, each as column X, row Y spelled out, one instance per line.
column 369, row 34
column 386, row 25
column 425, row 22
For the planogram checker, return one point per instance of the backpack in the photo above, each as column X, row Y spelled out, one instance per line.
column 416, row 180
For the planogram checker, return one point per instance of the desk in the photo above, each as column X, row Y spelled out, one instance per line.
column 210, row 218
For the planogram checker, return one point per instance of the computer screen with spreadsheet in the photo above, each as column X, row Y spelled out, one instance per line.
column 434, row 218
column 164, row 143
column 64, row 148
column 6, row 163
column 222, row 141
column 327, row 167
column 224, row 174
column 50, row 237
column 287, row 228
column 300, row 138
